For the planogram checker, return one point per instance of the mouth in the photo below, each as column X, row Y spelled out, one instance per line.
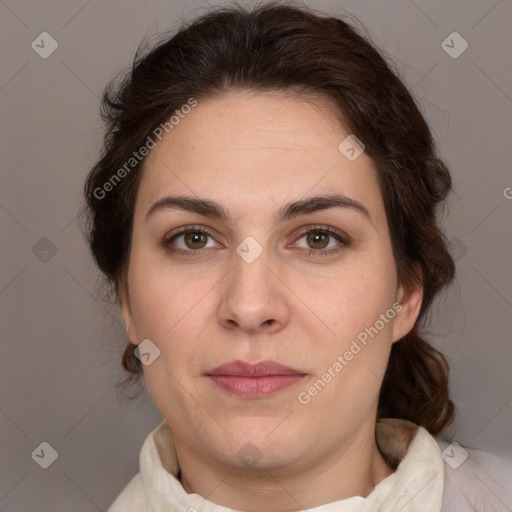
column 254, row 380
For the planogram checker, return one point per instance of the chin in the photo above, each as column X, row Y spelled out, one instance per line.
column 265, row 444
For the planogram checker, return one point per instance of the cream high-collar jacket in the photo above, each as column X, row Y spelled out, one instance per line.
column 432, row 476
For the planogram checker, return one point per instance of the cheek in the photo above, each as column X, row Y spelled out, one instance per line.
column 351, row 297
column 171, row 312
column 352, row 362
column 164, row 298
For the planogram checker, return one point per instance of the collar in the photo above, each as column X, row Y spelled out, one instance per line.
column 415, row 486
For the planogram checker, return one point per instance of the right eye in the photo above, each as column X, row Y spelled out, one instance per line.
column 189, row 241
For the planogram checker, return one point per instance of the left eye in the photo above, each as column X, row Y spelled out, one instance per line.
column 320, row 239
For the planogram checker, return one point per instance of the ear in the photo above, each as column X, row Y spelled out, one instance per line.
column 124, row 301
column 410, row 300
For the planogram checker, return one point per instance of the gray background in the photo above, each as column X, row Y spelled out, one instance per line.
column 61, row 347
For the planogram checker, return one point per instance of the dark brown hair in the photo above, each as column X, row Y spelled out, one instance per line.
column 285, row 48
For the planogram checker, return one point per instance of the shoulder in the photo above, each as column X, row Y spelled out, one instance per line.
column 475, row 479
column 132, row 497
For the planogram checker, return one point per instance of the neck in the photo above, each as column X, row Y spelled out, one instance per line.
column 353, row 469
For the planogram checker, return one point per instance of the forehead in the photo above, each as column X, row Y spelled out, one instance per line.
column 244, row 149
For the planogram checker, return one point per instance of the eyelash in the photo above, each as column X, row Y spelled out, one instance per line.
column 312, row 252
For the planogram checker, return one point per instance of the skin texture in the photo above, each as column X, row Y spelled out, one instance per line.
column 252, row 153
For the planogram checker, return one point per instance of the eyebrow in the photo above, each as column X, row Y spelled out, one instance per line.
column 209, row 208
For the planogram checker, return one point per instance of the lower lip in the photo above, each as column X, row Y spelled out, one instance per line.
column 255, row 387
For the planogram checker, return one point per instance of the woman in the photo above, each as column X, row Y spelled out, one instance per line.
column 265, row 209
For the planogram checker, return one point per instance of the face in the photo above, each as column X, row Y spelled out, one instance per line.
column 298, row 286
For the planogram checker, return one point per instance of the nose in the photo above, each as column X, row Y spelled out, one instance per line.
column 253, row 299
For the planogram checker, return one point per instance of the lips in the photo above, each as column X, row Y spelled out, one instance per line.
column 254, row 380
column 243, row 369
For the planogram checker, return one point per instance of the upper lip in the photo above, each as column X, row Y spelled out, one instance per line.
column 244, row 369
